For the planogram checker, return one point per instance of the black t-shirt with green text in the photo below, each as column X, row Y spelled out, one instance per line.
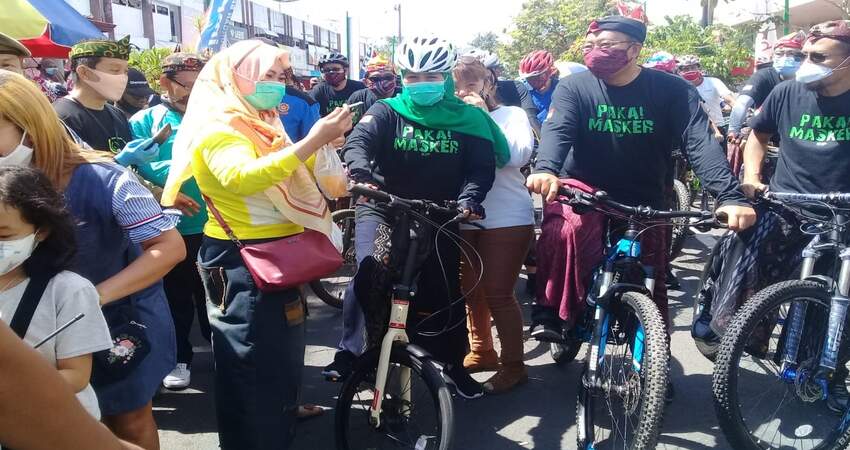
column 620, row 138
column 814, row 153
column 416, row 162
column 329, row 99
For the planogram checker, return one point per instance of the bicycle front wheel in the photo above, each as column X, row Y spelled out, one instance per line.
column 759, row 406
column 624, row 408
column 416, row 413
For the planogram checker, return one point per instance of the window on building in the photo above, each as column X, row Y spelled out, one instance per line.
column 131, row 3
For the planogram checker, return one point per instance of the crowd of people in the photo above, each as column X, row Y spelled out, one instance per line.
column 126, row 212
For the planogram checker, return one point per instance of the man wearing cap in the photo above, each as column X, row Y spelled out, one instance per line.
column 183, row 286
column 811, row 115
column 136, row 94
column 612, row 128
column 99, row 72
column 12, row 54
column 787, row 56
column 381, row 82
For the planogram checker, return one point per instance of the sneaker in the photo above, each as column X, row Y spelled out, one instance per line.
column 341, row 368
column 179, row 378
column 672, row 281
column 464, row 385
column 837, row 397
column 670, row 393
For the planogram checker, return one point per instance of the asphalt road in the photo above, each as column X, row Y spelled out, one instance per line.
column 539, row 415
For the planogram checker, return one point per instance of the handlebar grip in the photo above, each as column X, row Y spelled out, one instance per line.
column 374, row 194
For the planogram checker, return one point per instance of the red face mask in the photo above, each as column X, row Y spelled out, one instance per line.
column 605, row 63
column 694, row 76
column 335, row 78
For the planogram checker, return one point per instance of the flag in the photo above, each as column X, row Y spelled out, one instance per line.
column 218, row 21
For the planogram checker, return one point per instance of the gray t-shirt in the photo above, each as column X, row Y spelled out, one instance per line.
column 67, row 295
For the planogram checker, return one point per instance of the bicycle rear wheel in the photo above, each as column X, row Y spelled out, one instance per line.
column 758, row 407
column 681, row 202
column 626, row 408
column 332, row 288
column 424, row 422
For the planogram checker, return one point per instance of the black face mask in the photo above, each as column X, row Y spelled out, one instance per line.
column 126, row 107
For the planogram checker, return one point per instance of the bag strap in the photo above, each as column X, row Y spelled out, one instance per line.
column 222, row 223
column 29, row 302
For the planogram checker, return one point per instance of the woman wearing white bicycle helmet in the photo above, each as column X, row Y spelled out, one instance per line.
column 424, row 144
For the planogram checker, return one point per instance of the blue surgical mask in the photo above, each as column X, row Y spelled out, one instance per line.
column 426, row 93
column 51, row 71
column 786, row 66
column 267, row 95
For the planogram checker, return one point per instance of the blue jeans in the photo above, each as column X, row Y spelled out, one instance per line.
column 353, row 322
column 258, row 345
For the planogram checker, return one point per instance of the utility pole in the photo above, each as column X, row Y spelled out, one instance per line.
column 397, row 7
column 786, row 17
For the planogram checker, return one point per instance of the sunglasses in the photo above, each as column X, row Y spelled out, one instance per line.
column 334, row 70
column 378, row 79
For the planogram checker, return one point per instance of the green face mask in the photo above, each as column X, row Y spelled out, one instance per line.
column 267, row 95
column 426, row 93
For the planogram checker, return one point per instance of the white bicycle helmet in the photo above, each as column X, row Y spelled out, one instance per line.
column 489, row 59
column 426, row 54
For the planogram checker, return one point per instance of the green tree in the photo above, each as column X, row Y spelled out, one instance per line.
column 486, row 41
column 554, row 25
column 149, row 62
column 719, row 47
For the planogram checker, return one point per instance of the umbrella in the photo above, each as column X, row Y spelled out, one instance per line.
column 48, row 28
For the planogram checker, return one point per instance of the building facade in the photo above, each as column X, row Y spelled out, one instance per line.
column 166, row 23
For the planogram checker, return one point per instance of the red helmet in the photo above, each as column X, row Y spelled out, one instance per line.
column 535, row 63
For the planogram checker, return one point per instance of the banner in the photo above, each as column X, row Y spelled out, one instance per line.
column 215, row 30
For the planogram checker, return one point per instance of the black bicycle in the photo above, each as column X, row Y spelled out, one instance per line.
column 785, row 345
column 621, row 399
column 396, row 397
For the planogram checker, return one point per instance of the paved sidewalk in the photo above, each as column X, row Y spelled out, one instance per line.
column 539, row 415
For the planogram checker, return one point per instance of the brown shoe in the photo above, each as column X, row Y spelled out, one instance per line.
column 481, row 361
column 506, row 379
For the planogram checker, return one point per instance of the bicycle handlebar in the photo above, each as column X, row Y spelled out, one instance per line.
column 836, row 198
column 601, row 197
column 398, row 202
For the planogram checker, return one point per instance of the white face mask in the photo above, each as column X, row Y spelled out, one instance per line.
column 20, row 156
column 110, row 86
column 810, row 72
column 14, row 253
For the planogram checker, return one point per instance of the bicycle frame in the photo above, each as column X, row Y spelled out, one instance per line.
column 626, row 253
column 834, row 241
column 403, row 292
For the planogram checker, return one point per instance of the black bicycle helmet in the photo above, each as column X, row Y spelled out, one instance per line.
column 333, row 58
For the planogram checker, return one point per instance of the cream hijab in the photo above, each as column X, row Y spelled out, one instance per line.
column 217, row 104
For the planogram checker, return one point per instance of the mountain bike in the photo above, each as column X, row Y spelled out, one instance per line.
column 621, row 398
column 396, row 396
column 781, row 350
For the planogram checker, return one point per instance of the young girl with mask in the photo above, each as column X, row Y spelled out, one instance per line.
column 258, row 184
column 504, row 241
column 38, row 294
column 126, row 245
column 425, row 144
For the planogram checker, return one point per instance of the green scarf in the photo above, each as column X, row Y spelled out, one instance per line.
column 451, row 113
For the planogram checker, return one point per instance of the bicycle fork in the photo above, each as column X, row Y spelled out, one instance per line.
column 835, row 326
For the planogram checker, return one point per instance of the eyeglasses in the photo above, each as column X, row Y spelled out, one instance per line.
column 816, row 57
column 377, row 79
column 607, row 45
column 333, row 70
column 184, row 86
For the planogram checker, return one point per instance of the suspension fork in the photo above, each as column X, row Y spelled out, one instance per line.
column 837, row 315
column 600, row 332
column 796, row 319
column 402, row 294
